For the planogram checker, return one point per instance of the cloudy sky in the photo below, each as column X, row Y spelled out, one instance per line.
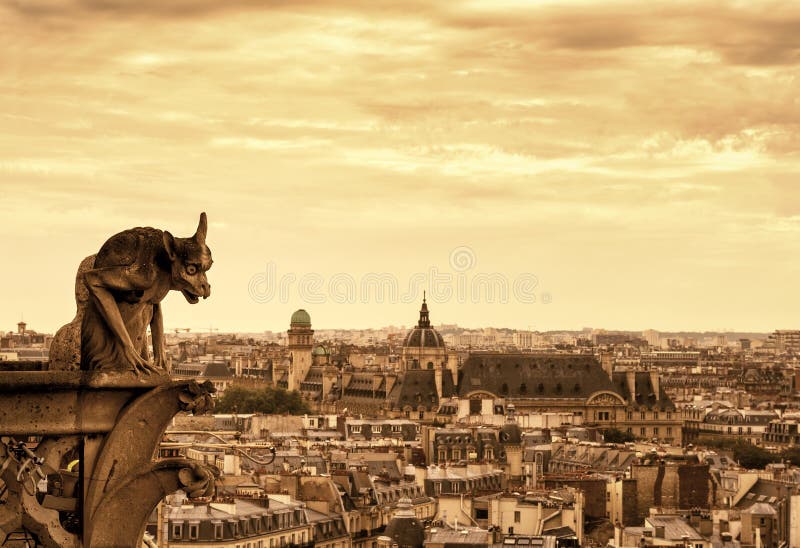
column 619, row 165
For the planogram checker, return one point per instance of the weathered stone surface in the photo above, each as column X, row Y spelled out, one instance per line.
column 65, row 349
column 133, row 272
column 92, row 412
column 136, row 496
column 114, row 422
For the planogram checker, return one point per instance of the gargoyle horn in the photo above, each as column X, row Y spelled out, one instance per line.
column 202, row 227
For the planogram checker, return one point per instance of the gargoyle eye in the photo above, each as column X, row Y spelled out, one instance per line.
column 191, row 269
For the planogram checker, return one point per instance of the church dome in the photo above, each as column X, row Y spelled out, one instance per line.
column 423, row 335
column 320, row 350
column 301, row 318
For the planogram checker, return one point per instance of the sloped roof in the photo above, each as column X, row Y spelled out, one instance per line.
column 534, row 376
column 417, row 387
column 675, row 527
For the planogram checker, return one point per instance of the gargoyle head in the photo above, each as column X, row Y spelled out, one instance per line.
column 190, row 258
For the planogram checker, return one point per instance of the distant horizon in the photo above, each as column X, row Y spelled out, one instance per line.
column 215, row 330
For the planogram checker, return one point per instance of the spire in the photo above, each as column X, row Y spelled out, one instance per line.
column 424, row 321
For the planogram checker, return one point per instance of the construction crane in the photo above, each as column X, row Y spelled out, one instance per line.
column 210, row 329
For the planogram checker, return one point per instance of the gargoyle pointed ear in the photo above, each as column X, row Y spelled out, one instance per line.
column 169, row 245
column 202, row 227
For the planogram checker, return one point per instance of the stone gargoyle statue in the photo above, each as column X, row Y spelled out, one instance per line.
column 132, row 273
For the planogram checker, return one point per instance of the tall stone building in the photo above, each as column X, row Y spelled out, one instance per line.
column 293, row 368
column 300, row 345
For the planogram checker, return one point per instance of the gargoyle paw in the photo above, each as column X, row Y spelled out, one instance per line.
column 140, row 365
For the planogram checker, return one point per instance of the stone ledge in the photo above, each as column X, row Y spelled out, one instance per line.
column 50, row 381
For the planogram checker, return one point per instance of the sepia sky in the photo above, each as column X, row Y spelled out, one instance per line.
column 639, row 159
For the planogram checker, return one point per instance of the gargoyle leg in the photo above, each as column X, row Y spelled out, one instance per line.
column 100, row 281
column 157, row 334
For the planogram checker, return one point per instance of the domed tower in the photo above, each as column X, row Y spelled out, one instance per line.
column 404, row 529
column 423, row 347
column 301, row 341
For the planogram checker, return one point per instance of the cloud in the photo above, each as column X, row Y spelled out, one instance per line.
column 577, row 134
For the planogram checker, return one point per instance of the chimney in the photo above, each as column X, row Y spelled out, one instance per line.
column 438, row 377
column 607, row 361
column 654, row 381
column 630, row 379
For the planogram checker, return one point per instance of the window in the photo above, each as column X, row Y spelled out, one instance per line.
column 669, row 415
column 630, row 415
column 442, row 455
column 517, row 517
column 217, row 530
column 604, row 415
column 488, row 453
column 642, row 431
column 655, row 431
column 397, row 428
column 475, row 407
column 177, row 530
column 669, row 430
column 642, row 415
column 655, row 415
column 355, row 428
column 376, row 429
column 193, row 531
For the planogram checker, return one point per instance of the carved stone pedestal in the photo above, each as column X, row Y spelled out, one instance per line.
column 111, row 424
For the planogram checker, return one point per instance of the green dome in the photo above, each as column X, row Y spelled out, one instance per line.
column 301, row 317
column 319, row 350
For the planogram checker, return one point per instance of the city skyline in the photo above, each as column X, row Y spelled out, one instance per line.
column 636, row 161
